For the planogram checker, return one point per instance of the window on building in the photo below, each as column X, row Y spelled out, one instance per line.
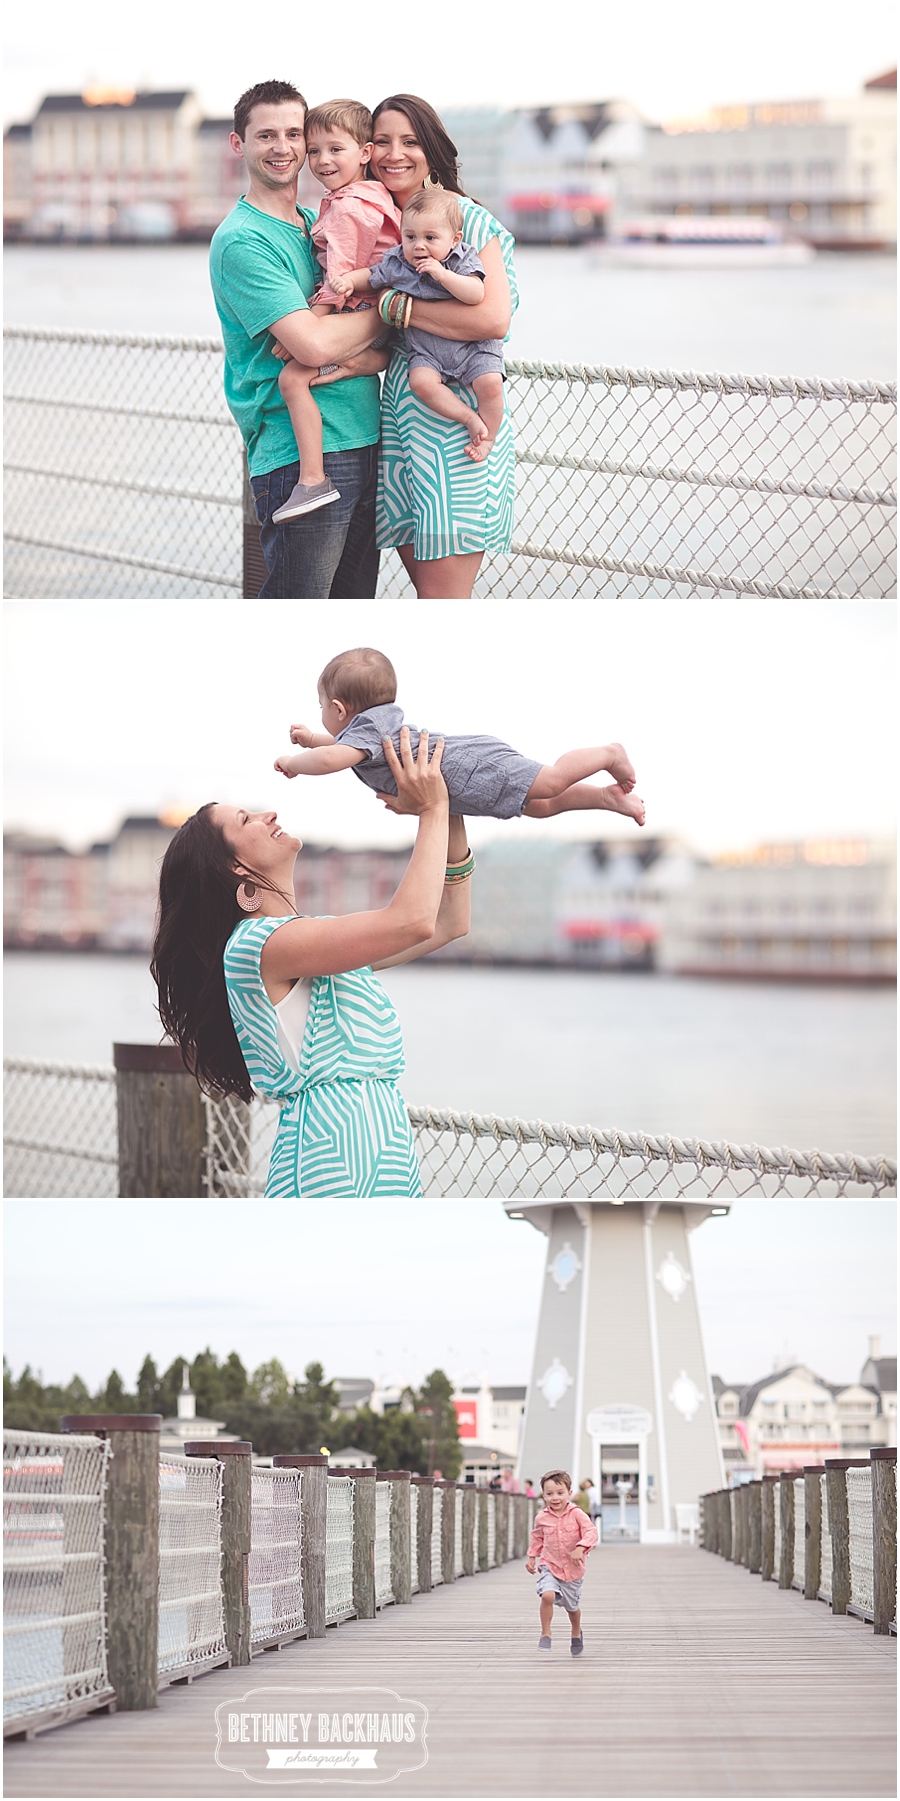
column 740, row 176
column 820, row 174
column 778, row 176
column 703, row 177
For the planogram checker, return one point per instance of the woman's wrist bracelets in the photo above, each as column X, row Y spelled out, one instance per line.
column 460, row 872
column 395, row 308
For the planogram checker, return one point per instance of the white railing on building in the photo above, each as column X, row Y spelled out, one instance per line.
column 191, row 1618
column 124, row 477
column 275, row 1575
column 54, row 1626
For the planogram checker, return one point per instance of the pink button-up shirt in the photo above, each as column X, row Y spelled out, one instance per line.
column 554, row 1537
column 357, row 226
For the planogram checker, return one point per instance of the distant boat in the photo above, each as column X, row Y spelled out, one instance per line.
column 701, row 242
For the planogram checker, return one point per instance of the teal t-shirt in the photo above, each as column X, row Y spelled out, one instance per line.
column 262, row 268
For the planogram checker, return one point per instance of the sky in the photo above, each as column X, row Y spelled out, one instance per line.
column 400, row 1288
column 746, row 721
column 667, row 60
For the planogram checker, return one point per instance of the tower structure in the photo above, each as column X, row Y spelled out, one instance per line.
column 619, row 1379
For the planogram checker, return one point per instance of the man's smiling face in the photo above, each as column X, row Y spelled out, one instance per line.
column 274, row 146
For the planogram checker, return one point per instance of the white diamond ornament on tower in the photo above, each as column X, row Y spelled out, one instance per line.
column 685, row 1395
column 673, row 1277
column 554, row 1382
column 565, row 1267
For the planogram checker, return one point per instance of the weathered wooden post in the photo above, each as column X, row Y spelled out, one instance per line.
column 364, row 1518
column 424, row 1523
column 839, row 1522
column 132, row 1551
column 743, row 1514
column 725, row 1534
column 312, row 1535
column 470, row 1529
column 768, row 1502
column 754, row 1528
column 501, row 1534
column 786, row 1569
column 812, row 1513
column 884, row 1535
column 236, row 1464
column 401, row 1566
column 448, row 1530
column 483, row 1505
column 161, row 1124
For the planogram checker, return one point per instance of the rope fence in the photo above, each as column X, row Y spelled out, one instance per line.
column 339, row 1550
column 275, row 1573
column 60, row 1138
column 191, row 1622
column 125, row 478
column 829, row 1531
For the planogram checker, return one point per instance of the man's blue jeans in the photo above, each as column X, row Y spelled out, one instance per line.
column 330, row 554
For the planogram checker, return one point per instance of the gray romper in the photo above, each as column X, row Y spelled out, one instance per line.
column 455, row 362
column 485, row 778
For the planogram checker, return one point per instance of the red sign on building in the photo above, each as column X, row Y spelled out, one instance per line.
column 467, row 1418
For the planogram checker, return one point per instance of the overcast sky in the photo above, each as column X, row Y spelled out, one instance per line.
column 397, row 1288
column 666, row 59
column 745, row 720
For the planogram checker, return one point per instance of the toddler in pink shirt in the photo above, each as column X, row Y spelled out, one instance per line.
column 358, row 224
column 561, row 1538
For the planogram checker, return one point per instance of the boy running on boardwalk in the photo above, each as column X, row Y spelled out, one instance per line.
column 358, row 222
column 561, row 1537
column 433, row 263
column 485, row 777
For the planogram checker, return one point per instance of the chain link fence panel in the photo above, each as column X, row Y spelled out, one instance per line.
column 54, row 1559
column 275, row 1578
column 59, row 1129
column 191, row 1617
column 125, row 472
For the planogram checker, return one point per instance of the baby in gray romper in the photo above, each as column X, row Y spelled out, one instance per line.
column 431, row 262
column 485, row 778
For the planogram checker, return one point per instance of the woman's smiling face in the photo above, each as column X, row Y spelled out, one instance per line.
column 398, row 159
column 257, row 840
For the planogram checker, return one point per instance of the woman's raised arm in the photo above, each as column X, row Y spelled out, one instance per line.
column 326, row 947
column 455, row 911
column 489, row 319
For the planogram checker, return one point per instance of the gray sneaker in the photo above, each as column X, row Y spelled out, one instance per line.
column 305, row 500
column 544, row 1644
column 577, row 1646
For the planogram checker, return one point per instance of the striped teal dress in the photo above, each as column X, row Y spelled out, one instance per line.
column 430, row 494
column 344, row 1130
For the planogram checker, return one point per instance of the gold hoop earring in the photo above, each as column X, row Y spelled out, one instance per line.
column 249, row 898
column 432, row 181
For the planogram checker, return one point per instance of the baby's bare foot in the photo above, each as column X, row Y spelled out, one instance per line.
column 479, row 443
column 619, row 766
column 620, row 801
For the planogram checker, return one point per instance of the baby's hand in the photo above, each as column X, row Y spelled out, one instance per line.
column 343, row 285
column 279, row 351
column 428, row 265
column 301, row 734
column 287, row 765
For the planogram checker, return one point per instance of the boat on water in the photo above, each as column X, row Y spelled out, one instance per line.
column 701, row 242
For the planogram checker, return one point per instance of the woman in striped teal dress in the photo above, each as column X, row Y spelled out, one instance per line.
column 259, row 998
column 441, row 510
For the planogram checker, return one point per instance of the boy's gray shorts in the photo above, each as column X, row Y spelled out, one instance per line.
column 568, row 1594
column 455, row 362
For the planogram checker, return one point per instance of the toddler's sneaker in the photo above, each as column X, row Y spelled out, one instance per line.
column 544, row 1644
column 305, row 500
column 577, row 1646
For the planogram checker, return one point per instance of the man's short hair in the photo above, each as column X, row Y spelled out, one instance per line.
column 342, row 115
column 265, row 93
column 438, row 201
column 361, row 678
column 557, row 1476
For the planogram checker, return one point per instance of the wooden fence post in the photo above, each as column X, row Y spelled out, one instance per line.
column 786, row 1570
column 312, row 1535
column 884, row 1535
column 448, row 1529
column 424, row 1523
column 725, row 1533
column 470, row 1529
column 401, row 1565
column 768, row 1502
column 812, row 1513
column 501, row 1523
column 132, row 1551
column 743, row 1510
column 481, row 1562
column 161, row 1124
column 839, row 1522
column 236, row 1462
column 364, row 1517
column 754, row 1529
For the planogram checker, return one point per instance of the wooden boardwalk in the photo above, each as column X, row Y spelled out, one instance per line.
column 697, row 1680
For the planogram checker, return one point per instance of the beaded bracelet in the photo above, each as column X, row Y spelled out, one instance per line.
column 384, row 302
column 460, row 872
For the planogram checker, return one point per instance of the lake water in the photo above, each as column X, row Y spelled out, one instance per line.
column 833, row 317
column 773, row 1064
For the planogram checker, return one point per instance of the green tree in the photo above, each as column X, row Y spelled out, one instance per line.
column 206, row 1382
column 434, row 1402
column 317, row 1392
column 169, row 1386
column 148, row 1386
column 232, row 1379
column 113, row 1398
column 271, row 1384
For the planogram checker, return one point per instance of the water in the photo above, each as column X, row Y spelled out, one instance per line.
column 834, row 316
column 809, row 1067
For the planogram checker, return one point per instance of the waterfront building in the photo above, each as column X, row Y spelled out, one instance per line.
column 489, row 1419
column 559, row 167
column 825, row 169
column 351, row 1458
column 53, row 898
column 175, row 1432
column 821, row 909
column 793, row 1417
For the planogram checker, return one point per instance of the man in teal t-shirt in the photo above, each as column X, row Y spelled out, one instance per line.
column 263, row 270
